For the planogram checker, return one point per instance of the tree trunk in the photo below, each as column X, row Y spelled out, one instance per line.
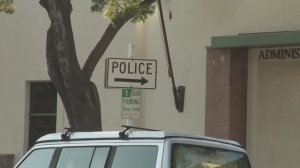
column 79, row 95
column 83, row 108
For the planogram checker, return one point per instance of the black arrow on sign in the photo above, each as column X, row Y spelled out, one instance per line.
column 142, row 80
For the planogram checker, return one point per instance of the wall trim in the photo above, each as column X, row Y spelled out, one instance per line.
column 285, row 38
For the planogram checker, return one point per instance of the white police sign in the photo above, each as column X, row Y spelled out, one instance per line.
column 130, row 73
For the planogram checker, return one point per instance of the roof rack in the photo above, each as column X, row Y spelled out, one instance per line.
column 66, row 136
column 123, row 134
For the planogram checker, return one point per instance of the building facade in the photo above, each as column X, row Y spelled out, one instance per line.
column 238, row 59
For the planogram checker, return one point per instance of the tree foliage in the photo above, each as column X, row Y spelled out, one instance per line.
column 120, row 11
column 7, row 6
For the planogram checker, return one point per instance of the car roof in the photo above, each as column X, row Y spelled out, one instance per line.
column 105, row 135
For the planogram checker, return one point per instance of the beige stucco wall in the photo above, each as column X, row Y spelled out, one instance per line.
column 22, row 50
column 189, row 32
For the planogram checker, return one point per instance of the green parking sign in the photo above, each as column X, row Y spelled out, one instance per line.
column 126, row 92
column 131, row 103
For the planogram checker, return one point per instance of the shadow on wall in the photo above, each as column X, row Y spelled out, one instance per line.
column 6, row 160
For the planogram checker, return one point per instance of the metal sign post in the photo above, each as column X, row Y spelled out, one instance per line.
column 131, row 98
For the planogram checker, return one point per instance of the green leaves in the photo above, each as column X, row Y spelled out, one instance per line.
column 7, row 6
column 120, row 11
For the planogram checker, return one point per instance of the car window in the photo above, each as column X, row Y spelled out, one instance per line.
column 40, row 158
column 135, row 157
column 95, row 157
column 191, row 156
column 83, row 157
column 100, row 157
column 75, row 157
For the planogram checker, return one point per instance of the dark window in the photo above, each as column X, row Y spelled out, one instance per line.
column 43, row 104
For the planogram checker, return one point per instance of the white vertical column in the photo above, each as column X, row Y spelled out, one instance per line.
column 129, row 122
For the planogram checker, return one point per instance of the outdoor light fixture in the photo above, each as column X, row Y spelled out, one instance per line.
column 178, row 92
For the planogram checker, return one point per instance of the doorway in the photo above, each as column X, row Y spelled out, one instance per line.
column 273, row 111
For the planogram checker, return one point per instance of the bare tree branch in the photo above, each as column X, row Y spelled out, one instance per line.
column 99, row 50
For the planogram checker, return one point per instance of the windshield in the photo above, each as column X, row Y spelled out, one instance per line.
column 191, row 156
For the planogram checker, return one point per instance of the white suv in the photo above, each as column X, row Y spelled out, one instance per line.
column 133, row 149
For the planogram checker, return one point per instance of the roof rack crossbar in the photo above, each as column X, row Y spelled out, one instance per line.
column 123, row 135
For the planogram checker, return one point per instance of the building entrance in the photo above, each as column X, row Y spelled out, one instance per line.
column 273, row 110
